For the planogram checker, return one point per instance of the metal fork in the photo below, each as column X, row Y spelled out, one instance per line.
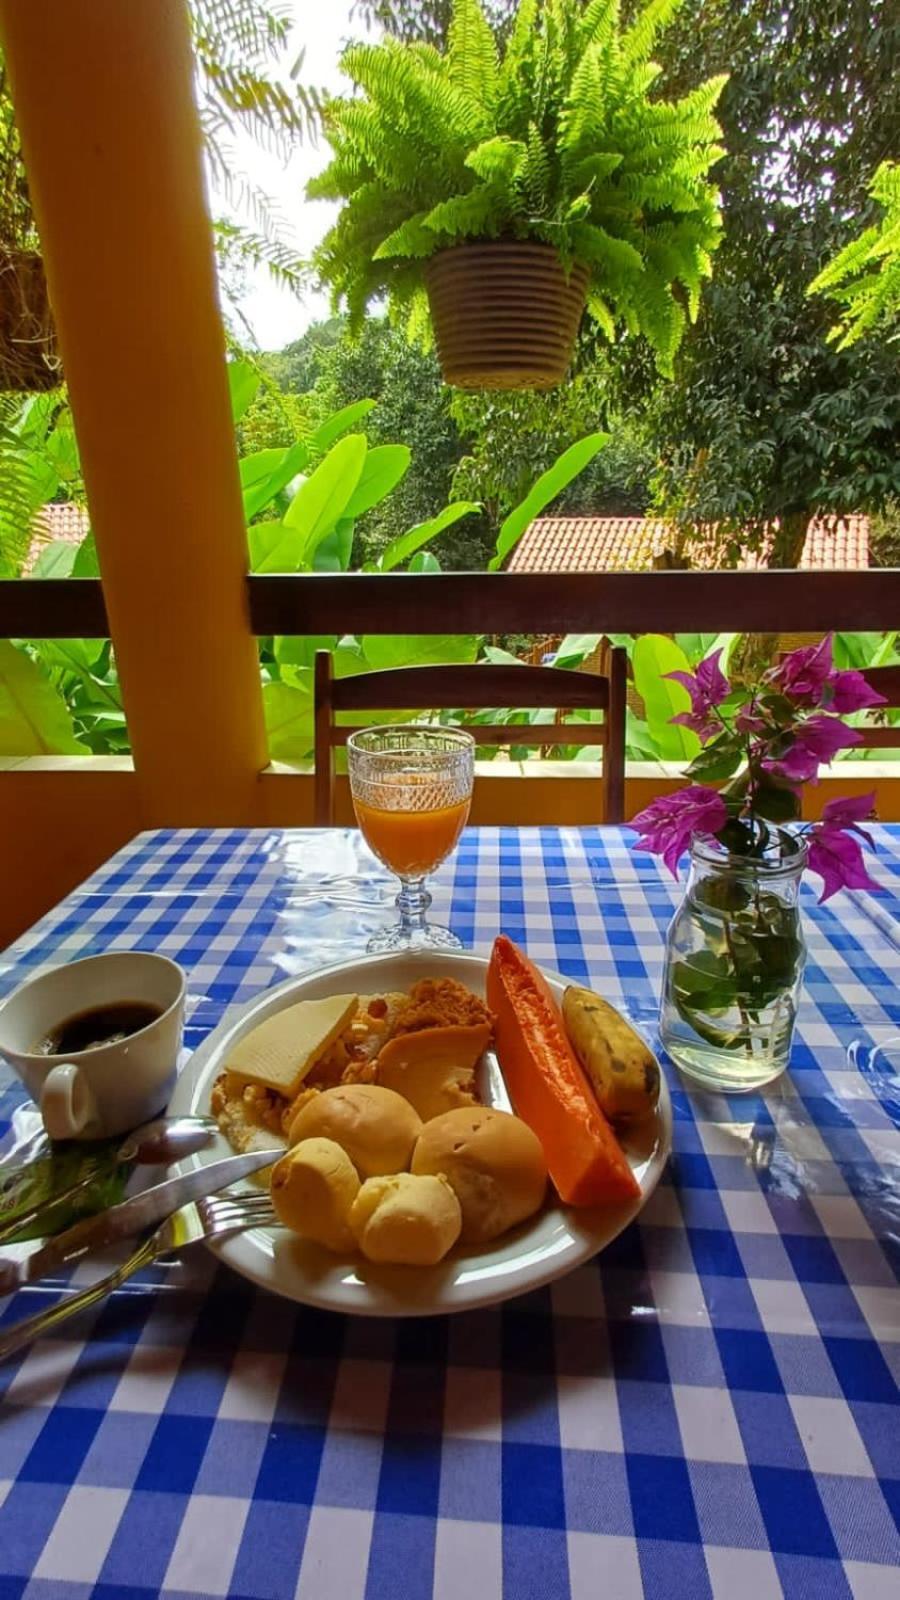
column 204, row 1219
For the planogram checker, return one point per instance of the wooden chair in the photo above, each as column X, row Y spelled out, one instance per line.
column 480, row 688
column 887, row 681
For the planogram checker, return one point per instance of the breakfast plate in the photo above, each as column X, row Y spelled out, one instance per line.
column 548, row 1245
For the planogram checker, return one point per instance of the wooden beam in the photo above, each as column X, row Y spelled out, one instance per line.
column 52, row 608
column 63, row 608
column 113, row 151
column 477, row 687
column 569, row 602
column 527, row 734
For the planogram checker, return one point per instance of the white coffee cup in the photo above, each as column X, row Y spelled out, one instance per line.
column 92, row 1094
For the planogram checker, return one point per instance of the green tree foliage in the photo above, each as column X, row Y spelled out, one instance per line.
column 864, row 277
column 17, row 229
column 302, row 503
column 428, row 21
column 510, row 437
column 275, row 416
column 556, row 138
column 884, row 535
column 297, row 367
column 765, row 418
column 412, row 404
column 486, row 448
column 38, row 463
column 548, row 487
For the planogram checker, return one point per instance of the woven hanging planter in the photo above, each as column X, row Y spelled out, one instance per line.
column 28, row 355
column 505, row 314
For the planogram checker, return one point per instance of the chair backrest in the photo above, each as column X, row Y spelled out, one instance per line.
column 480, row 688
column 887, row 681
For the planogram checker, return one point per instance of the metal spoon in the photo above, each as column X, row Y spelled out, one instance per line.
column 167, row 1139
column 160, row 1142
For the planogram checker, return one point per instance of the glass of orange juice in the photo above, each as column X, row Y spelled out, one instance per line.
column 411, row 788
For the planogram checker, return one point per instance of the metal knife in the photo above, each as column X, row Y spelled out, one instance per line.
column 130, row 1217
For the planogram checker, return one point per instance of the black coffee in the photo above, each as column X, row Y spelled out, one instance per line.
column 88, row 1030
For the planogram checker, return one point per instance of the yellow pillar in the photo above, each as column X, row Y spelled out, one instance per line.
column 111, row 138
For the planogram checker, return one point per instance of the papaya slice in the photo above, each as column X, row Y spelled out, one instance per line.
column 548, row 1087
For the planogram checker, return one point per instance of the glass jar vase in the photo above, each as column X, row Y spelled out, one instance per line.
column 735, row 954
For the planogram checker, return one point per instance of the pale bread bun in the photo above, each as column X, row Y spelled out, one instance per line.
column 494, row 1163
column 407, row 1220
column 375, row 1126
column 313, row 1188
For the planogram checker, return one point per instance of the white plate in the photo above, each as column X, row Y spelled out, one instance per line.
column 551, row 1244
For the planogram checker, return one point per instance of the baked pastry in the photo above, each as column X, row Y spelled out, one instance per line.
column 494, row 1163
column 407, row 1220
column 313, row 1188
column 375, row 1126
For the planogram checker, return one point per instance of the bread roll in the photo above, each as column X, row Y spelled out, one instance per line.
column 313, row 1188
column 494, row 1163
column 411, row 1221
column 375, row 1126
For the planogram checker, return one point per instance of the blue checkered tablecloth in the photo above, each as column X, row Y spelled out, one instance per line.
column 708, row 1409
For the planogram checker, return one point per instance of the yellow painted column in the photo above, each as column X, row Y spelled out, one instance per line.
column 103, row 97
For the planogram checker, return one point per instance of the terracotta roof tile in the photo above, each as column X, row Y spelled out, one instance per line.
column 64, row 521
column 611, row 544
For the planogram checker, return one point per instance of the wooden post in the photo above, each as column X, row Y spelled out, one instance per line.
column 112, row 145
column 614, row 754
column 324, row 779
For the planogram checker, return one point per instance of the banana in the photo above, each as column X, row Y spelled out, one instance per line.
column 623, row 1072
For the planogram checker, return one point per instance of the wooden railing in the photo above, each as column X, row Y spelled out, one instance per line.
column 477, row 602
column 62, row 816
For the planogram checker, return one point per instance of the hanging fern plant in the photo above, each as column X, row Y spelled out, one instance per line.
column 559, row 144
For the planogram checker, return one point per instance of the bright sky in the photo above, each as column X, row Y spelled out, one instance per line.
column 322, row 27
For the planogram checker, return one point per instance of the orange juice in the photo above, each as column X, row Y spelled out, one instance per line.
column 412, row 843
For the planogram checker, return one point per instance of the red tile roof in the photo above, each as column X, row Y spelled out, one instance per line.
column 610, row 544
column 64, row 521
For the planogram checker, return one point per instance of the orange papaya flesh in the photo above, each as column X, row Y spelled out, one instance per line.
column 548, row 1087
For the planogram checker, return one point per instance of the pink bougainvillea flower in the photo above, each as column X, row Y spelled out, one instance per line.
column 748, row 719
column 668, row 825
column 809, row 678
column 849, row 691
column 700, row 723
column 848, row 812
column 838, row 859
column 814, row 742
column 803, row 674
column 790, row 742
column 708, row 684
column 707, row 688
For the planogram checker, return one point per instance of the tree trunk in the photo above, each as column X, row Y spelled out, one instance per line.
column 756, row 652
column 789, row 538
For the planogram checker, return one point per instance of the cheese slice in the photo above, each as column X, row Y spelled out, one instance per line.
column 284, row 1048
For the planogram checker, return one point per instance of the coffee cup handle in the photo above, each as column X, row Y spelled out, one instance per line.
column 68, row 1106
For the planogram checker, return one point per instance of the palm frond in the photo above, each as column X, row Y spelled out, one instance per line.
column 237, row 47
